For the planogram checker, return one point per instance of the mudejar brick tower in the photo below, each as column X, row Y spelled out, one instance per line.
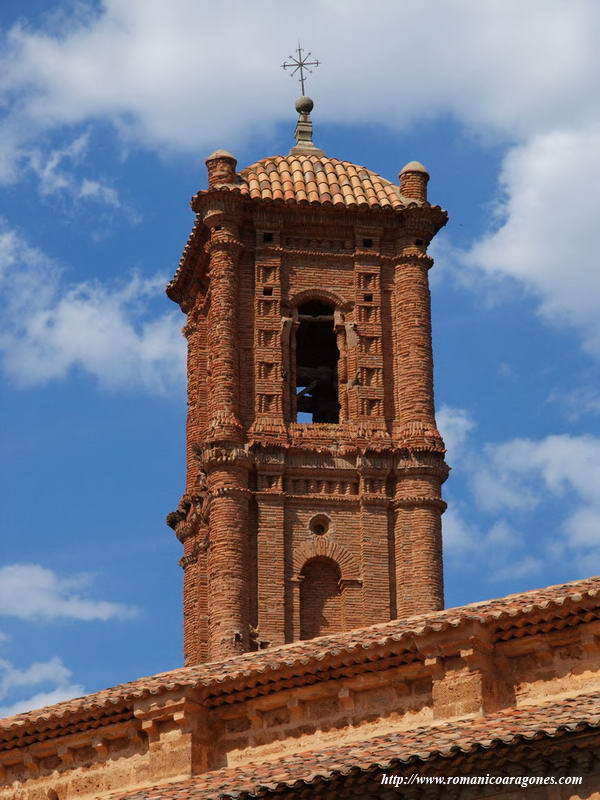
column 314, row 464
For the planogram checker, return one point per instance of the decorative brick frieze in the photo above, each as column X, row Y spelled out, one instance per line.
column 252, row 274
column 502, row 687
column 214, row 457
column 435, row 503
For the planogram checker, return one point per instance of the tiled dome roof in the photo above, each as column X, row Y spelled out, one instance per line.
column 314, row 179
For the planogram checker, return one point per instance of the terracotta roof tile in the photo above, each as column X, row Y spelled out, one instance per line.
column 508, row 614
column 365, row 188
column 389, row 751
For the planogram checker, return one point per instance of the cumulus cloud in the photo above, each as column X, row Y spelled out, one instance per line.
column 523, row 473
column 549, row 235
column 50, row 327
column 52, row 674
column 56, row 170
column 156, row 72
column 454, row 424
column 500, row 547
column 578, row 402
column 33, row 592
column 513, row 481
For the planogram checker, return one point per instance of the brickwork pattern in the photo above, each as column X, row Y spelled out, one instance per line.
column 556, row 738
column 321, row 600
column 356, row 243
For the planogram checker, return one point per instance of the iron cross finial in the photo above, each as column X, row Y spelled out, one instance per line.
column 300, row 62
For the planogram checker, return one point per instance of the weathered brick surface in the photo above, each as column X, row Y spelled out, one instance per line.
column 261, row 578
column 477, row 682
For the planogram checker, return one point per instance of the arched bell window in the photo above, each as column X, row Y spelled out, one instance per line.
column 316, row 364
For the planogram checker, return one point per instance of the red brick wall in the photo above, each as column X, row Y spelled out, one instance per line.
column 376, row 475
column 320, row 599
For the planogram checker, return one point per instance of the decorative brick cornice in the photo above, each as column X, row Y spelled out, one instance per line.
column 420, row 501
column 412, row 469
column 215, row 201
column 374, row 500
column 221, row 455
column 417, row 259
column 231, row 491
column 222, row 244
column 323, row 499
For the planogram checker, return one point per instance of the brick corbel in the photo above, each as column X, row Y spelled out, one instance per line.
column 31, row 763
column 222, row 455
column 101, row 746
column 589, row 639
column 182, row 755
column 66, row 756
column 346, row 699
column 476, row 687
column 420, row 502
column 296, row 709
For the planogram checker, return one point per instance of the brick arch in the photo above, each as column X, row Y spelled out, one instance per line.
column 320, row 547
column 319, row 294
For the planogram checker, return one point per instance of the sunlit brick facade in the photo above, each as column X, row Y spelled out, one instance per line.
column 313, row 499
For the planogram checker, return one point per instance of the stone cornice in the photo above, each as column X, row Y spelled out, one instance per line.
column 536, row 616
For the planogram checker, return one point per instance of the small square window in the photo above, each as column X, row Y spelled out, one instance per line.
column 267, row 237
column 368, row 298
column 367, row 242
column 268, row 291
column 218, row 227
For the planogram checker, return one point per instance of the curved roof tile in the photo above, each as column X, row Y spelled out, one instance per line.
column 260, row 666
column 318, row 180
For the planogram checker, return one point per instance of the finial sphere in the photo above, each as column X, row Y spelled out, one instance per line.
column 304, row 105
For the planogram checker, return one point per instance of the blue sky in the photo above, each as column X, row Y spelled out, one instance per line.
column 108, row 112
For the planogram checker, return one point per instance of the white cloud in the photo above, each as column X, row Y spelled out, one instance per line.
column 576, row 403
column 182, row 77
column 33, row 592
column 522, row 474
column 513, row 481
column 549, row 237
column 98, row 191
column 56, row 173
column 454, row 424
column 459, row 536
column 501, row 548
column 52, row 672
column 157, row 70
column 49, row 327
column 518, row 568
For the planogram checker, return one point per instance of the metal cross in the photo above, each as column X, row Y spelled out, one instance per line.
column 301, row 63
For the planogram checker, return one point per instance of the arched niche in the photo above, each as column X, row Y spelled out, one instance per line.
column 321, row 601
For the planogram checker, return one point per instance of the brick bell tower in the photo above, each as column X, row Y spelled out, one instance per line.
column 314, row 465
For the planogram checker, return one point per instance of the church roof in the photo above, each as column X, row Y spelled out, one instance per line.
column 312, row 180
column 511, row 617
column 386, row 752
